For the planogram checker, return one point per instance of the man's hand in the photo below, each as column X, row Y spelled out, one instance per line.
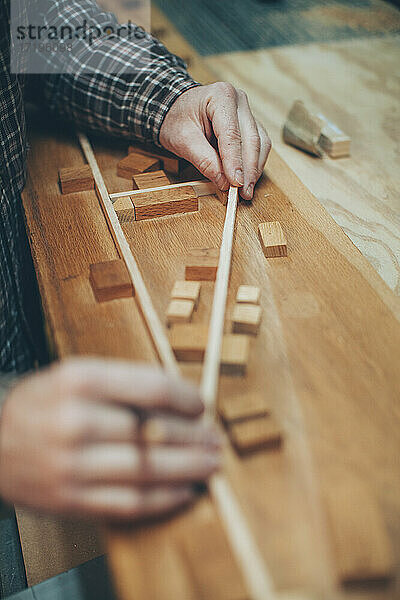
column 104, row 439
column 213, row 128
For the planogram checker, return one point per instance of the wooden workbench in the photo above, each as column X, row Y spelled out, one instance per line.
column 327, row 358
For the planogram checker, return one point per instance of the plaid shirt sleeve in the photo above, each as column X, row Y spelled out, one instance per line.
column 115, row 85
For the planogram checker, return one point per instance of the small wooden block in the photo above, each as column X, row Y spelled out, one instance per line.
column 134, row 163
column 235, row 353
column 255, row 434
column 222, row 196
column 189, row 342
column 180, row 311
column 154, row 179
column 202, row 264
column 272, row 239
column 124, row 209
column 246, row 318
column 248, row 294
column 110, row 280
column 76, row 179
column 165, row 202
column 361, row 545
column 333, row 140
column 187, row 290
column 169, row 162
column 240, row 408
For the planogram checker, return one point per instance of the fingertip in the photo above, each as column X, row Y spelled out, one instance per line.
column 238, row 178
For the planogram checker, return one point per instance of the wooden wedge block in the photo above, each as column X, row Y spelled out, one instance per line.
column 333, row 140
column 246, row 318
column 110, row 280
column 133, row 164
column 210, row 561
column 180, row 311
column 202, row 264
column 245, row 406
column 189, row 342
column 361, row 545
column 153, row 179
column 235, row 353
column 76, row 179
column 187, row 290
column 255, row 434
column 248, row 294
column 124, row 209
column 169, row 162
column 272, row 239
column 152, row 205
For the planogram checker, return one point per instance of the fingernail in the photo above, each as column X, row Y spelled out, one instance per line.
column 250, row 190
column 239, row 177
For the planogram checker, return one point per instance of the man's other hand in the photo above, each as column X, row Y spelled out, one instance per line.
column 107, row 439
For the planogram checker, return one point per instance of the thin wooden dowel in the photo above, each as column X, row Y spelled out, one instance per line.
column 246, row 552
column 157, row 333
column 212, row 358
column 238, row 533
column 201, row 188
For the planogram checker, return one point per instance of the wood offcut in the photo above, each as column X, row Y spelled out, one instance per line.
column 110, row 280
column 76, row 179
column 272, row 239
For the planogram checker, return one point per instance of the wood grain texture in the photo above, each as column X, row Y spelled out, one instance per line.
column 272, row 239
column 358, row 94
column 362, row 548
column 110, row 280
column 201, row 264
column 150, row 180
column 136, row 163
column 152, row 205
column 322, row 357
column 76, row 179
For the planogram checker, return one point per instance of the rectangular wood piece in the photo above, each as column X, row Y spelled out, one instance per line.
column 235, row 353
column 361, row 545
column 180, row 311
column 249, row 294
column 187, row 290
column 110, row 280
column 169, row 162
column 242, row 407
column 76, row 179
column 202, row 264
column 272, row 239
column 152, row 205
column 246, row 318
column 134, row 163
column 154, row 179
column 255, row 434
column 124, row 209
column 189, row 341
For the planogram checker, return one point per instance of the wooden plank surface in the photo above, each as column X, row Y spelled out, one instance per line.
column 356, row 84
column 327, row 363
